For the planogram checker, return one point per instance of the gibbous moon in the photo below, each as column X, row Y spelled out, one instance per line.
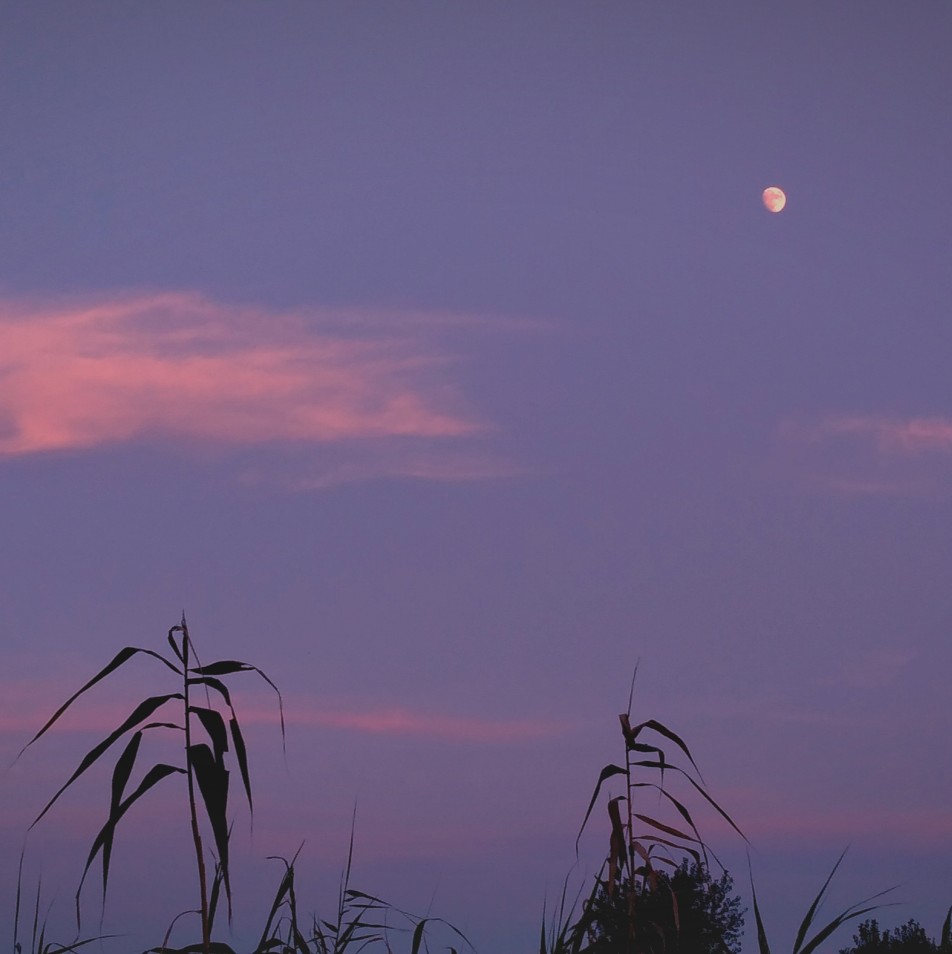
column 774, row 199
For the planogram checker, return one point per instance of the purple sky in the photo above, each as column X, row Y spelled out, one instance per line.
column 442, row 360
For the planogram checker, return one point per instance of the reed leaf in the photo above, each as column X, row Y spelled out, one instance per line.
column 225, row 667
column 139, row 715
column 104, row 840
column 123, row 656
column 214, row 725
column 606, row 773
column 212, row 778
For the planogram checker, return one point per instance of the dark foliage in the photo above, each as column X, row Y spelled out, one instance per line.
column 684, row 912
column 909, row 938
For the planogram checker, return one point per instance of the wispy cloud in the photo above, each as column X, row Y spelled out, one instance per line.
column 869, row 455
column 890, row 435
column 185, row 369
column 397, row 720
column 785, row 821
column 21, row 717
column 877, row 668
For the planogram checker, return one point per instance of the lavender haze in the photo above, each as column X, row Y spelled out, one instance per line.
column 444, row 361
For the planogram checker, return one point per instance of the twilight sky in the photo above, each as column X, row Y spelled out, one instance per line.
column 442, row 360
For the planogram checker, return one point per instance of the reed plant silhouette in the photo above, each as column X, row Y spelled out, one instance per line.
column 640, row 844
column 206, row 736
column 211, row 740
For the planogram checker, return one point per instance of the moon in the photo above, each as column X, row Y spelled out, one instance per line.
column 774, row 199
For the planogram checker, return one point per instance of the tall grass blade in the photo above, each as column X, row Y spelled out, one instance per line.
column 762, row 944
column 16, row 907
column 834, row 925
column 418, row 937
column 811, row 912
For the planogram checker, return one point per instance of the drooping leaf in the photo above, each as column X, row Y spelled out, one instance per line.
column 617, row 855
column 214, row 725
column 215, row 684
column 241, row 756
column 698, row 788
column 605, row 774
column 123, row 656
column 175, row 647
column 225, row 667
column 662, row 729
column 654, row 823
column 139, row 715
column 284, row 887
column 212, row 779
column 103, row 841
column 120, row 778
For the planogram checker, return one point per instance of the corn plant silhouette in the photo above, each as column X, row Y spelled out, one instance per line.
column 205, row 741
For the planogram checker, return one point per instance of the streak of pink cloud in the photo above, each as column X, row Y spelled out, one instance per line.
column 397, row 720
column 182, row 367
column 89, row 715
column 869, row 455
column 891, row 435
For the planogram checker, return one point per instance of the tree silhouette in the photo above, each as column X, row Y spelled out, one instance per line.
column 909, row 938
column 684, row 912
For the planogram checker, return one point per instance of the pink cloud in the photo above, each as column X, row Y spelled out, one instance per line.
column 21, row 716
column 184, row 368
column 891, row 435
column 918, row 826
column 397, row 720
column 869, row 455
column 447, row 465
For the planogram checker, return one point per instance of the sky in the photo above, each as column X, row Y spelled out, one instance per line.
column 442, row 360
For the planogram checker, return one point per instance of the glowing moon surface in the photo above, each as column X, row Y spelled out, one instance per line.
column 774, row 199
